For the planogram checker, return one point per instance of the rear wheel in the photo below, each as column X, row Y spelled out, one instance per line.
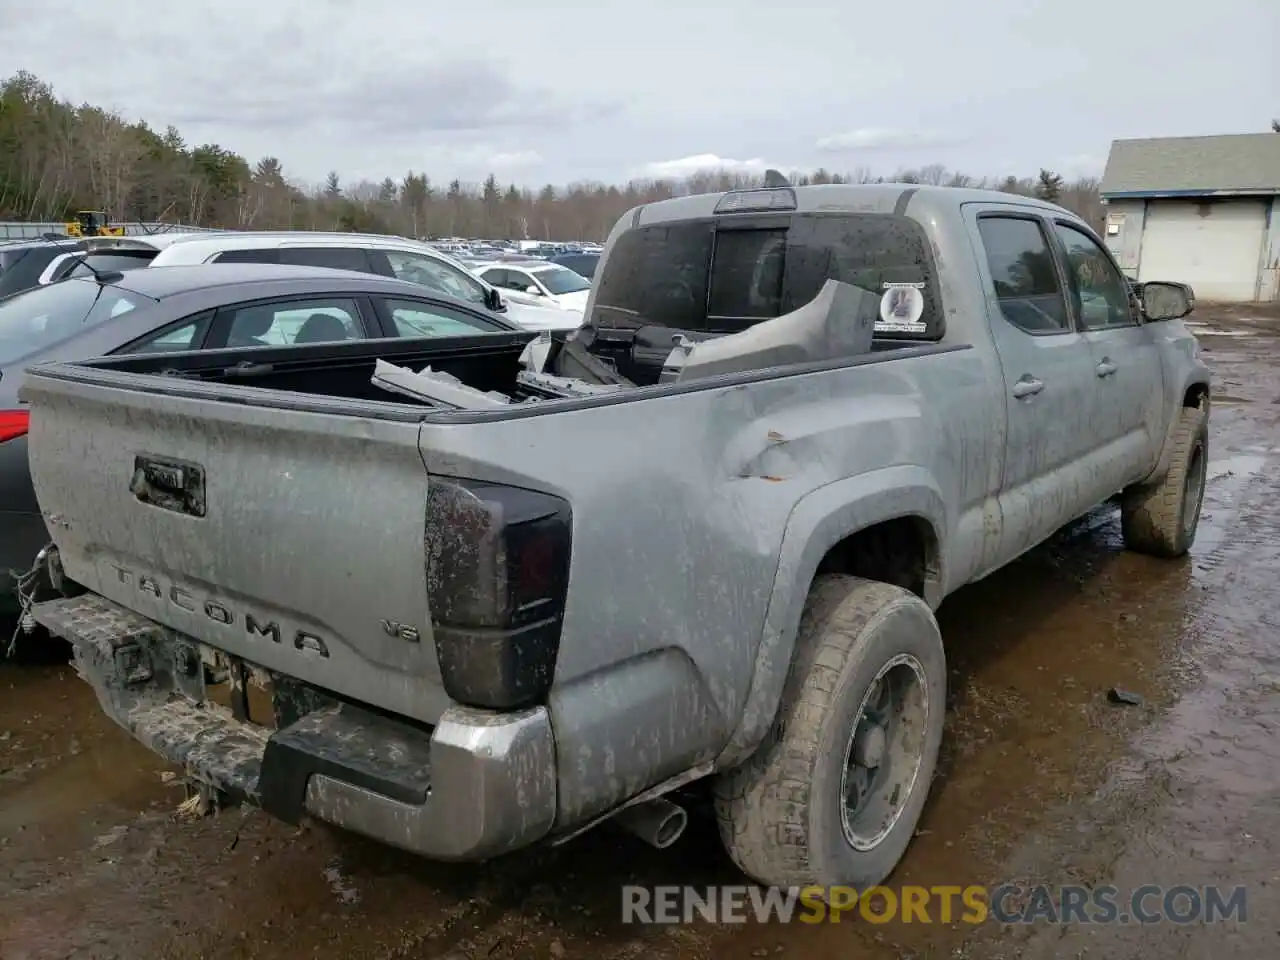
column 1160, row 519
column 834, row 794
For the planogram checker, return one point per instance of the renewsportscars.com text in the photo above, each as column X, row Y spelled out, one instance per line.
column 1005, row 903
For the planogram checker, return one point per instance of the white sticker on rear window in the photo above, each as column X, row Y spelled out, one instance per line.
column 901, row 308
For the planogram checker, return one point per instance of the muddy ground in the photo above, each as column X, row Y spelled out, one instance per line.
column 1042, row 779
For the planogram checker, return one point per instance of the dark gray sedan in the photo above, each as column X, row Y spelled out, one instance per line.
column 167, row 309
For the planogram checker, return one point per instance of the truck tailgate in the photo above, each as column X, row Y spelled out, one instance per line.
column 291, row 537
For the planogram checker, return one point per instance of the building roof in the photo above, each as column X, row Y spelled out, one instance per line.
column 1240, row 164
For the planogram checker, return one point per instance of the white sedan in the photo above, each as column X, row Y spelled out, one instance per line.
column 551, row 283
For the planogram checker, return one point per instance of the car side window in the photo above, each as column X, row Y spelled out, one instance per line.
column 417, row 318
column 248, row 256
column 288, row 322
column 337, row 258
column 1022, row 270
column 1099, row 292
column 519, row 281
column 435, row 275
column 496, row 278
column 186, row 335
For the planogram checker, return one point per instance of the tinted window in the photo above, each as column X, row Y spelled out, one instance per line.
column 103, row 262
column 884, row 257
column 583, row 264
column 496, row 277
column 746, row 277
column 435, row 275
column 1100, row 293
column 657, row 275
column 44, row 316
column 1022, row 270
column 561, row 280
column 248, row 256
column 337, row 258
column 686, row 276
column 186, row 336
column 414, row 318
column 315, row 320
column 20, row 269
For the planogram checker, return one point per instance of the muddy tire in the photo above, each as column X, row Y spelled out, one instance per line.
column 827, row 800
column 1160, row 519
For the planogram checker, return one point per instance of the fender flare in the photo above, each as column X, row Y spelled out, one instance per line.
column 819, row 521
column 1197, row 379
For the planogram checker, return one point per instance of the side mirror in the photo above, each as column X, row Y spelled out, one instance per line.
column 494, row 301
column 533, row 289
column 1165, row 300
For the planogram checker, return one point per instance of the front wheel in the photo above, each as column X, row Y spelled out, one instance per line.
column 834, row 794
column 1160, row 519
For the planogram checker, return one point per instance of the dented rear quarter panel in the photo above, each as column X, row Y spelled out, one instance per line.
column 699, row 517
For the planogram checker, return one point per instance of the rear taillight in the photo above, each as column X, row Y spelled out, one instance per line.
column 13, row 424
column 497, row 578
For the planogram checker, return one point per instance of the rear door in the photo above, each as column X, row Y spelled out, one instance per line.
column 1048, row 377
column 1127, row 406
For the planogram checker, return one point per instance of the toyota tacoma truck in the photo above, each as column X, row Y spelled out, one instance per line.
column 475, row 618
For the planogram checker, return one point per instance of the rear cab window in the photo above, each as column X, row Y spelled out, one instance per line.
column 78, row 265
column 724, row 275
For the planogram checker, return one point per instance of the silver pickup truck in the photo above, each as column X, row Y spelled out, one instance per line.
column 806, row 416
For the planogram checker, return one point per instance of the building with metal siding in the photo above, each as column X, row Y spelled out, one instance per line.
column 1202, row 210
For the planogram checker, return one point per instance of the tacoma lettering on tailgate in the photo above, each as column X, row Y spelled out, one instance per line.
column 260, row 628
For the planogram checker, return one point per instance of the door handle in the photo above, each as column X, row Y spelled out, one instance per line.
column 1027, row 386
column 1105, row 367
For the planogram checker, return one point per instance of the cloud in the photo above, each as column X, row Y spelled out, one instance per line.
column 397, row 101
column 1082, row 165
column 882, row 138
column 515, row 160
column 700, row 163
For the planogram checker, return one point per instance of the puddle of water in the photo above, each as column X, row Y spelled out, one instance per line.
column 1243, row 465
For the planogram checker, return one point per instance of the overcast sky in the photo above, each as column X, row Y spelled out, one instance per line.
column 556, row 90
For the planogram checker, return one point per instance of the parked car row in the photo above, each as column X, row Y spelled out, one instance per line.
column 382, row 255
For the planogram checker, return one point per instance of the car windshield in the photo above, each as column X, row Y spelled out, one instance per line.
column 560, row 280
column 38, row 319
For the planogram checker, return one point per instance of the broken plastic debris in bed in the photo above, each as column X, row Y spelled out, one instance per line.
column 434, row 387
column 838, row 322
column 552, row 386
column 536, row 352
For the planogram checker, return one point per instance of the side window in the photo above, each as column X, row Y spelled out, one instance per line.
column 1100, row 293
column 417, row 318
column 1022, row 270
column 519, row 281
column 495, row 278
column 435, row 275
column 287, row 322
column 248, row 256
column 188, row 335
column 337, row 258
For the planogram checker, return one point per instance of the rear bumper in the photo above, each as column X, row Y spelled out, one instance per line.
column 476, row 785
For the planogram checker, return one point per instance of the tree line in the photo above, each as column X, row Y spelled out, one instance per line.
column 57, row 158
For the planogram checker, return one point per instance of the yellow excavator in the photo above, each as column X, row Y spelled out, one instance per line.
column 92, row 223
